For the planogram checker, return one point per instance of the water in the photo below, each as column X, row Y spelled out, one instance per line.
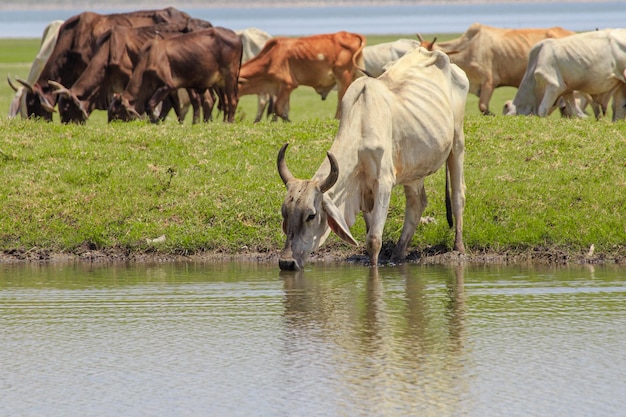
column 245, row 340
column 367, row 20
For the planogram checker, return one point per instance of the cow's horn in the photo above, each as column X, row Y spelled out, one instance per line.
column 332, row 176
column 26, row 84
column 283, row 171
column 419, row 37
column 11, row 83
column 46, row 104
column 59, row 88
column 134, row 112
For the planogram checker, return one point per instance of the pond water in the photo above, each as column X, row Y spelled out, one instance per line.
column 189, row 339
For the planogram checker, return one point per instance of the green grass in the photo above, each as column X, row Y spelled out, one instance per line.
column 532, row 184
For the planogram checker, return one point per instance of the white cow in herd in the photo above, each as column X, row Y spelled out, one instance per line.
column 590, row 62
column 48, row 40
column 376, row 57
column 253, row 40
column 494, row 57
column 394, row 130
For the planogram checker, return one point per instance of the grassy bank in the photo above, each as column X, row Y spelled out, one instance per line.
column 539, row 186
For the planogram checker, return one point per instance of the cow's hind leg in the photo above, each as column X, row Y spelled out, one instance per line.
column 281, row 107
column 486, row 91
column 416, row 202
column 457, row 190
column 262, row 101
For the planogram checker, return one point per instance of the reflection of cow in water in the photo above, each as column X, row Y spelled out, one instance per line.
column 399, row 318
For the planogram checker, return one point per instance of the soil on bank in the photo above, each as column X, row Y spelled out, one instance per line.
column 540, row 256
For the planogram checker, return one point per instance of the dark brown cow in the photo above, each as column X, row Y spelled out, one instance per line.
column 198, row 60
column 76, row 45
column 319, row 61
column 109, row 70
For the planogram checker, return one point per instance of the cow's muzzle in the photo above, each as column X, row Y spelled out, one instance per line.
column 288, row 265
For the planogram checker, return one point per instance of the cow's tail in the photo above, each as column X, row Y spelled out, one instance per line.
column 448, row 199
column 357, row 58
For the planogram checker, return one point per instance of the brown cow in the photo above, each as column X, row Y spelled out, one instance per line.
column 494, row 57
column 110, row 68
column 318, row 61
column 198, row 60
column 76, row 44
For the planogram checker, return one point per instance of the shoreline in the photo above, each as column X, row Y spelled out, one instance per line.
column 432, row 256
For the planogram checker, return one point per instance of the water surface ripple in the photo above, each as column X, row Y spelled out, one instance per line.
column 246, row 340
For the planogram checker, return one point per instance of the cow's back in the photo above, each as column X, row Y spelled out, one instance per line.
column 589, row 61
column 376, row 57
column 497, row 53
column 414, row 112
column 253, row 40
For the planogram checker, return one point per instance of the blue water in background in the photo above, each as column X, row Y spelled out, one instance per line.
column 367, row 20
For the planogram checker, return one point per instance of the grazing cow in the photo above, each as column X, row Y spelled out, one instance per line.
column 197, row 60
column 110, row 68
column 494, row 57
column 318, row 61
column 395, row 129
column 76, row 44
column 48, row 40
column 590, row 62
column 376, row 57
column 253, row 41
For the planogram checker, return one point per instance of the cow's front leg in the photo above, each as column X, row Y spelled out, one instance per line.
column 549, row 100
column 159, row 95
column 486, row 91
column 374, row 238
column 416, row 202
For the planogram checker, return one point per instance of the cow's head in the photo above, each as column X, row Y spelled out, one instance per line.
column 308, row 214
column 121, row 109
column 509, row 108
column 37, row 104
column 16, row 104
column 430, row 45
column 70, row 108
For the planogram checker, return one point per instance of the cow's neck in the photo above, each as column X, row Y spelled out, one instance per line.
column 345, row 194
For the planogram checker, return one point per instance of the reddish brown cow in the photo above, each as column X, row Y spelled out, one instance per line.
column 198, row 60
column 110, row 68
column 318, row 61
column 76, row 45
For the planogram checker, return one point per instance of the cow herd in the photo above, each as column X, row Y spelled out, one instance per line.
column 400, row 104
column 148, row 62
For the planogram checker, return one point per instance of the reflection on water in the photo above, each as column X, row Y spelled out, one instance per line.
column 246, row 340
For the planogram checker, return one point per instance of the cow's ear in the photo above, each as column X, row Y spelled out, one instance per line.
column 336, row 221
